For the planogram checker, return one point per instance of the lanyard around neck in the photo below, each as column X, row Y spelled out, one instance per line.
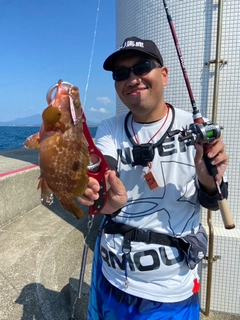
column 135, row 135
column 167, row 132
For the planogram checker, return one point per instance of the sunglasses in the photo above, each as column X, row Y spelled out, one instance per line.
column 139, row 69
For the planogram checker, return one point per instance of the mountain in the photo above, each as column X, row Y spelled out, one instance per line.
column 34, row 121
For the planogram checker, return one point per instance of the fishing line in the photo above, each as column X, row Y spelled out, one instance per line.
column 90, row 63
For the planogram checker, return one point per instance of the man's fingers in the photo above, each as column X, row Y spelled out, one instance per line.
column 85, row 201
column 216, row 148
column 115, row 183
column 117, row 195
column 91, row 193
column 111, row 178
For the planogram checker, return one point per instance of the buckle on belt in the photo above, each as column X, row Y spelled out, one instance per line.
column 142, row 235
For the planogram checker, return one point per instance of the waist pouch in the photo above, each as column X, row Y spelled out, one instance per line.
column 193, row 245
column 197, row 247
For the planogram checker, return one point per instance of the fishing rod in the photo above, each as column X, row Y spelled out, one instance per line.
column 200, row 131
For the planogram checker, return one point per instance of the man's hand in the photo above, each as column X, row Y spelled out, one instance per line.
column 220, row 160
column 116, row 194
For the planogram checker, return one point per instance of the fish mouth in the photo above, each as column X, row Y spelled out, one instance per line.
column 60, row 85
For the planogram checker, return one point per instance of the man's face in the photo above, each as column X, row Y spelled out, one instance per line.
column 142, row 94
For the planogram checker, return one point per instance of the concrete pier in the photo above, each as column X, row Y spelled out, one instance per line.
column 41, row 248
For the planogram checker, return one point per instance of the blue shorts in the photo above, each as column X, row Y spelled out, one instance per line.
column 109, row 303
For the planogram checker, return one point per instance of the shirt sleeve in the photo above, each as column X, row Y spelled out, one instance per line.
column 211, row 202
column 106, row 144
column 105, row 141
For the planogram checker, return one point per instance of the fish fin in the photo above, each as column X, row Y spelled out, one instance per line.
column 71, row 206
column 80, row 187
column 46, row 192
column 39, row 183
column 32, row 142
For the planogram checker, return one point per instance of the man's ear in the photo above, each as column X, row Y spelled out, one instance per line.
column 164, row 71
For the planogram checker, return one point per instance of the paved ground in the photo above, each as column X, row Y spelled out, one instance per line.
column 42, row 251
column 218, row 316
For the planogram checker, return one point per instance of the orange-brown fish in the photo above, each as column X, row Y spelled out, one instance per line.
column 63, row 152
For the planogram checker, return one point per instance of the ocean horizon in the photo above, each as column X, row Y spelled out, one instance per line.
column 13, row 137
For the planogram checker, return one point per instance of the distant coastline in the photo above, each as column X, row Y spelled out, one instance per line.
column 32, row 121
column 20, row 125
column 36, row 125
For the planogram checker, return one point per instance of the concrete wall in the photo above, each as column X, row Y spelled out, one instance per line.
column 18, row 193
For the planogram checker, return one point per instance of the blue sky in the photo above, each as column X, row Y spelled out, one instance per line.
column 47, row 40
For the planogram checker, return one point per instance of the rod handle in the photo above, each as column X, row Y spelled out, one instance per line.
column 226, row 214
column 212, row 169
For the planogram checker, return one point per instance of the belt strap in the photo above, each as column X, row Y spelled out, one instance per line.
column 139, row 235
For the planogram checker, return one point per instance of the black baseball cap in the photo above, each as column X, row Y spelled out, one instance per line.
column 133, row 44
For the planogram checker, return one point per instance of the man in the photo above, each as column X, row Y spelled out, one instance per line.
column 143, row 264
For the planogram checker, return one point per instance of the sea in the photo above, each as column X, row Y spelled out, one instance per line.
column 13, row 137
